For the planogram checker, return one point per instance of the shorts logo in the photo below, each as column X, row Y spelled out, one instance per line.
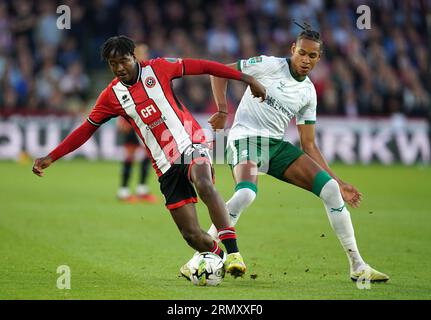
column 150, row 82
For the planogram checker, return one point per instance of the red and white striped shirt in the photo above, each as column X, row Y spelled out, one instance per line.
column 162, row 122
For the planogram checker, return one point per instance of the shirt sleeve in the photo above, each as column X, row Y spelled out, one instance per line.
column 102, row 111
column 73, row 141
column 307, row 115
column 260, row 66
column 199, row 66
column 171, row 67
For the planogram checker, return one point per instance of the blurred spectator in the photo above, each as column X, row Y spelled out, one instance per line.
column 75, row 83
column 46, row 32
column 221, row 40
column 47, row 80
column 69, row 52
column 24, row 19
column 5, row 29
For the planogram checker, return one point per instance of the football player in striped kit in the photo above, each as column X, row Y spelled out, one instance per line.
column 142, row 94
column 131, row 145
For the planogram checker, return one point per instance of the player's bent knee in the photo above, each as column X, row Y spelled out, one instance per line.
column 205, row 188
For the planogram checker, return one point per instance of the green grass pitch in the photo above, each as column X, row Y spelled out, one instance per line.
column 134, row 251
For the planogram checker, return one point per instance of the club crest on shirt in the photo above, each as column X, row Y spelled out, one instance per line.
column 282, row 86
column 150, row 82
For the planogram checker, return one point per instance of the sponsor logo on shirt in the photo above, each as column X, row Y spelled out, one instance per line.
column 125, row 98
column 254, row 60
column 274, row 103
column 156, row 123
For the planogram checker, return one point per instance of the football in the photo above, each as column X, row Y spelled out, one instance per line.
column 207, row 269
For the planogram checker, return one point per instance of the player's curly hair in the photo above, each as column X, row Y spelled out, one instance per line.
column 118, row 45
column 309, row 33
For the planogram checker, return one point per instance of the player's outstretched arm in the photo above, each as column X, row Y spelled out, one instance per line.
column 195, row 66
column 73, row 141
column 219, row 87
column 307, row 137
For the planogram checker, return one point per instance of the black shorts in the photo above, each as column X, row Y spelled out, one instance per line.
column 129, row 138
column 176, row 184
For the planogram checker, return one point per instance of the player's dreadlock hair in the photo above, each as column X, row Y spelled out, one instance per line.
column 118, row 45
column 309, row 33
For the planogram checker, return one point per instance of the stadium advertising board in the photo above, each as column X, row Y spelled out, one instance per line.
column 350, row 141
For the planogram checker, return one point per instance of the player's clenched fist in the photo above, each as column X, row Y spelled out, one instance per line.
column 40, row 164
column 218, row 120
column 256, row 88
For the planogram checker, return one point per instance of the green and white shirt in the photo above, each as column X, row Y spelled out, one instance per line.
column 285, row 98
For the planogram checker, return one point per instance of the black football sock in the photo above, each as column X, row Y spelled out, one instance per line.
column 125, row 173
column 228, row 238
column 145, row 166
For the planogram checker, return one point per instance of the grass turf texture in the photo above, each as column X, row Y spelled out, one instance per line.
column 134, row 251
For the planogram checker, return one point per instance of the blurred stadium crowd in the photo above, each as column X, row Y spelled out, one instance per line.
column 374, row 72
